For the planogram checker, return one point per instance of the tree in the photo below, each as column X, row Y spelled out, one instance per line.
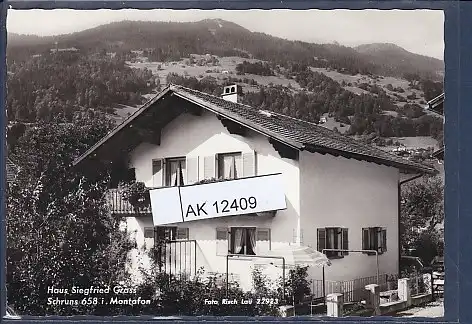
column 60, row 232
column 422, row 209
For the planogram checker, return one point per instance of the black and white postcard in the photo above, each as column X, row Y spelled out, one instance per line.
column 244, row 163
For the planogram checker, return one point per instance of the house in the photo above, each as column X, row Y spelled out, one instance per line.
column 340, row 193
column 436, row 105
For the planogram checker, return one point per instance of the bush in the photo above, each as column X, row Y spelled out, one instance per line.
column 186, row 296
column 136, row 194
column 298, row 284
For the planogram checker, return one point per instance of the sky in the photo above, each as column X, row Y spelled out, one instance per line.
column 418, row 31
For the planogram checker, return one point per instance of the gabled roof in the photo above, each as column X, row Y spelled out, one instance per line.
column 437, row 104
column 295, row 133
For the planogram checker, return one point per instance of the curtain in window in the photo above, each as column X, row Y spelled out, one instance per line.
column 231, row 166
column 177, row 173
column 251, row 248
column 330, row 240
column 173, row 173
column 238, row 240
column 181, row 174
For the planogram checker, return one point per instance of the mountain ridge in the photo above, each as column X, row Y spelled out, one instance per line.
column 175, row 40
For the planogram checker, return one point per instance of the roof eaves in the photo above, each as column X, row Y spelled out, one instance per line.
column 118, row 128
column 382, row 161
column 237, row 119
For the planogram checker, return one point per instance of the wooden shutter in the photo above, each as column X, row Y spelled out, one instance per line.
column 149, row 232
column 384, row 240
column 262, row 241
column 345, row 241
column 249, row 164
column 321, row 235
column 157, row 173
column 182, row 233
column 192, row 170
column 365, row 239
column 222, row 246
column 209, row 163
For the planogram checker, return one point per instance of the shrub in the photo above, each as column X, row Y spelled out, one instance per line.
column 298, row 285
column 136, row 194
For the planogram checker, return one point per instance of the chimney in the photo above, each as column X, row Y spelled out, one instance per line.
column 232, row 93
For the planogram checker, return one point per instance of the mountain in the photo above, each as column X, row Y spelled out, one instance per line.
column 14, row 39
column 397, row 58
column 170, row 41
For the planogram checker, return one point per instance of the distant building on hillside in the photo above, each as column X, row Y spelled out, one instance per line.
column 70, row 49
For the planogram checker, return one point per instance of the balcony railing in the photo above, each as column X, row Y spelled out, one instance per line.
column 120, row 206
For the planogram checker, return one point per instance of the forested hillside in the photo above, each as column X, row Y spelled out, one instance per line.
column 376, row 89
column 57, row 85
column 167, row 41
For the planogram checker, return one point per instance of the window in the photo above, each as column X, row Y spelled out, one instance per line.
column 229, row 166
column 169, row 233
column 181, row 234
column 374, row 238
column 333, row 238
column 165, row 233
column 243, row 240
column 175, row 172
column 149, row 232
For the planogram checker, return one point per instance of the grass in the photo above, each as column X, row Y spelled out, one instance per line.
column 382, row 82
column 226, row 64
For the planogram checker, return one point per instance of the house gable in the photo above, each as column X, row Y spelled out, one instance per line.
column 288, row 135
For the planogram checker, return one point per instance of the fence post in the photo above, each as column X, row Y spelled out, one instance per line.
column 417, row 282
column 374, row 299
column 404, row 293
column 334, row 305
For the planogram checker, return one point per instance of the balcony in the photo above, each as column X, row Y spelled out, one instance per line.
column 120, row 206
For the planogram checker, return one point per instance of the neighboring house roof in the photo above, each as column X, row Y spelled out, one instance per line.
column 12, row 170
column 439, row 154
column 292, row 132
column 437, row 104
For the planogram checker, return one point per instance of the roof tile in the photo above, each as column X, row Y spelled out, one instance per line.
column 300, row 131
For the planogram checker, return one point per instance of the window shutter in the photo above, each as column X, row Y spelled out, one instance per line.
column 321, row 235
column 262, row 240
column 192, row 170
column 222, row 241
column 182, row 233
column 157, row 173
column 249, row 164
column 345, row 241
column 376, row 238
column 149, row 232
column 209, row 167
column 365, row 239
column 384, row 240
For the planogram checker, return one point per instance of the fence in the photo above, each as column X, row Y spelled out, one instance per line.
column 120, row 206
column 354, row 290
column 178, row 258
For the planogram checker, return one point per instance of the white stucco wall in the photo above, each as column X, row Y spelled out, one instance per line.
column 340, row 192
column 200, row 136
column 326, row 191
